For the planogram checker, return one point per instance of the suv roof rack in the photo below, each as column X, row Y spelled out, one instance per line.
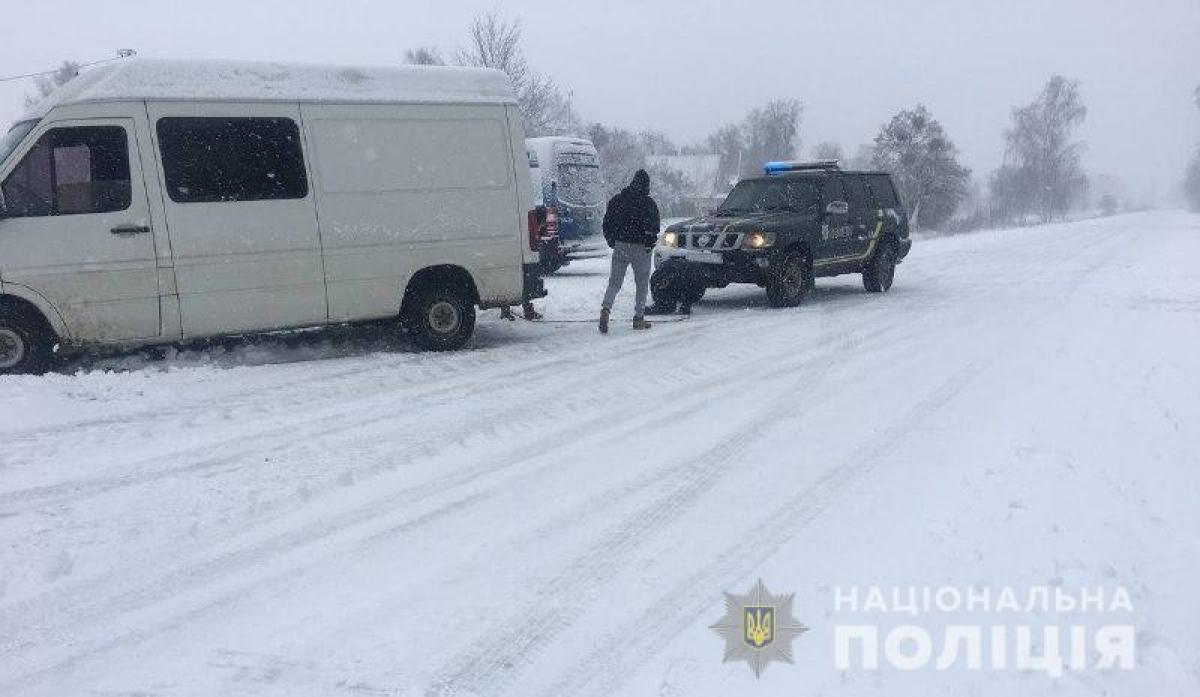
column 798, row 166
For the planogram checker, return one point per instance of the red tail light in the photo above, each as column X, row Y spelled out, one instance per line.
column 535, row 225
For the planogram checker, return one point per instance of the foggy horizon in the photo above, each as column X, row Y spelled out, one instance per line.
column 685, row 69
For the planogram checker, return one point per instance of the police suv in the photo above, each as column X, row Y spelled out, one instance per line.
column 798, row 221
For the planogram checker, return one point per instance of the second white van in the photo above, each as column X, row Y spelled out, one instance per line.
column 157, row 201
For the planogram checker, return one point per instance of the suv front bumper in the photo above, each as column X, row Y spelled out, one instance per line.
column 735, row 265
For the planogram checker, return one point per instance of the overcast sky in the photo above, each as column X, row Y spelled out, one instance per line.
column 687, row 66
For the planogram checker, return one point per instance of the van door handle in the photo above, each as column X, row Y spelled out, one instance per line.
column 130, row 229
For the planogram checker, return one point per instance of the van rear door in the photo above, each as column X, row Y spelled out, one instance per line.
column 241, row 216
column 77, row 230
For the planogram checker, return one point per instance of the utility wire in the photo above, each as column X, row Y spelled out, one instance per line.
column 123, row 53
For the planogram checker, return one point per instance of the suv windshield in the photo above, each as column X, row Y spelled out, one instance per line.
column 15, row 135
column 796, row 194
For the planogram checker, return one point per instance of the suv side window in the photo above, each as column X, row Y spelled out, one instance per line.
column 71, row 171
column 882, row 190
column 856, row 193
column 833, row 190
column 213, row 159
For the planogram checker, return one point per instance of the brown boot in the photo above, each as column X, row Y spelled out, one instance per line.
column 603, row 320
column 641, row 323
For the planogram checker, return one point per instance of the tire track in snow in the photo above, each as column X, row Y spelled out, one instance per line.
column 495, row 659
column 58, row 615
column 343, row 416
column 605, row 669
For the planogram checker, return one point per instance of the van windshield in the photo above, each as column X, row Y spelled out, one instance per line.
column 579, row 184
column 13, row 138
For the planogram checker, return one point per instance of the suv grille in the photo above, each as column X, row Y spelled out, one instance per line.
column 710, row 240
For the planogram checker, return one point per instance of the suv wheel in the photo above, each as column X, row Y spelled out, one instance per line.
column 881, row 270
column 441, row 318
column 790, row 280
column 670, row 286
column 23, row 347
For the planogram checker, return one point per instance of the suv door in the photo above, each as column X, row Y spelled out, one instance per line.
column 76, row 229
column 862, row 216
column 835, row 226
column 241, row 216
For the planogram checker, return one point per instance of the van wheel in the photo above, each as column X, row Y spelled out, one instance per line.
column 440, row 318
column 24, row 347
column 790, row 280
column 881, row 270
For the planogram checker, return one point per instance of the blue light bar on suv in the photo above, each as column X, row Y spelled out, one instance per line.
column 795, row 166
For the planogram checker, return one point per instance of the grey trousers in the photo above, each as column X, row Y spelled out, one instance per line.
column 629, row 254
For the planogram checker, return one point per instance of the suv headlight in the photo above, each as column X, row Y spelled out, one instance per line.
column 758, row 240
column 670, row 239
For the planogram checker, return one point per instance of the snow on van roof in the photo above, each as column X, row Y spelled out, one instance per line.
column 145, row 79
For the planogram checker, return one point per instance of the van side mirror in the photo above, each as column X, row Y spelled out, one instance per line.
column 837, row 208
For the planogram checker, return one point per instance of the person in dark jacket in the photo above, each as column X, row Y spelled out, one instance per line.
column 631, row 229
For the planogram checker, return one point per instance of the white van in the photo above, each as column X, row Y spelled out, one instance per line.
column 156, row 201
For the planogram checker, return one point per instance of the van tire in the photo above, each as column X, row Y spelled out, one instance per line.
column 439, row 318
column 25, row 348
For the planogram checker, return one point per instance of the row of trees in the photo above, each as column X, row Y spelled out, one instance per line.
column 1041, row 175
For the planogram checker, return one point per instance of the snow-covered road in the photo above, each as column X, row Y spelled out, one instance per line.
column 557, row 513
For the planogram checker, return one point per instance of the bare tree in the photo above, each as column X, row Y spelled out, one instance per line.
column 423, row 55
column 923, row 162
column 863, row 157
column 828, row 150
column 729, row 143
column 45, row 84
column 495, row 42
column 1042, row 167
column 771, row 133
column 620, row 155
column 1191, row 182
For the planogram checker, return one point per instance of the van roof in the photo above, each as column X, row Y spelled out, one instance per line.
column 138, row 79
column 555, row 140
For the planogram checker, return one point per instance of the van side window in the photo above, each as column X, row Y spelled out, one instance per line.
column 881, row 187
column 71, row 171
column 228, row 159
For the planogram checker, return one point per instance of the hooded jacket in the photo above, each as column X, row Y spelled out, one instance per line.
column 632, row 216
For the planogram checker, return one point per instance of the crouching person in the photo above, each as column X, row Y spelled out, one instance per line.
column 631, row 229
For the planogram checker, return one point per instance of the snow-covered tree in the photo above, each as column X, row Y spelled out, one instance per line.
column 1042, row 172
column 45, row 84
column 923, row 161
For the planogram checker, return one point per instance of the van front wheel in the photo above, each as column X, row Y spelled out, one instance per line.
column 24, row 348
column 440, row 318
